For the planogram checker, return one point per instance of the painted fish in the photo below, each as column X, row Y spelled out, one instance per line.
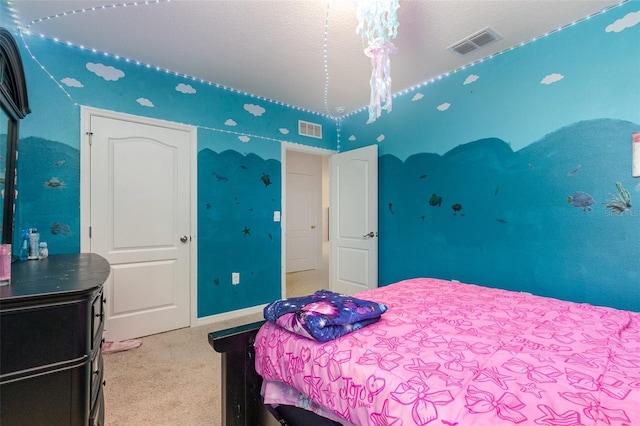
column 574, row 171
column 54, row 182
column 582, row 200
column 435, row 200
column 456, row 208
column 60, row 229
column 219, row 177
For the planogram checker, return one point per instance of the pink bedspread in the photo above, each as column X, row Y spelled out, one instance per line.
column 447, row 353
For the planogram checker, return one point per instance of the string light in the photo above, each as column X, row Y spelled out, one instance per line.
column 326, row 61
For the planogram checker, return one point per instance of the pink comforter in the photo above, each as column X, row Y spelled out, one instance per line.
column 447, row 353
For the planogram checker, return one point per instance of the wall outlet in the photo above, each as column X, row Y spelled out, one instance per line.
column 235, row 278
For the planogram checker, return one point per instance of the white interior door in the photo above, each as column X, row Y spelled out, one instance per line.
column 304, row 211
column 353, row 224
column 140, row 211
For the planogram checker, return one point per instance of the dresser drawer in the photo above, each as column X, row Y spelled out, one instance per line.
column 97, row 411
column 97, row 375
column 40, row 337
column 97, row 320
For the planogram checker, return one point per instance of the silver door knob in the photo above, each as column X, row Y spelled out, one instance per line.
column 369, row 235
column 313, row 227
column 184, row 239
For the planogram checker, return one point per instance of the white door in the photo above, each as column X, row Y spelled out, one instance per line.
column 304, row 205
column 353, row 223
column 140, row 211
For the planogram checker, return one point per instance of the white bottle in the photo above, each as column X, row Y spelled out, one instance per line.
column 34, row 243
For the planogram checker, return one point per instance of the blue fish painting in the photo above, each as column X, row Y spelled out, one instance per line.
column 582, row 200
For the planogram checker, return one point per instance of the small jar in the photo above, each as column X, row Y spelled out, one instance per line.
column 43, row 250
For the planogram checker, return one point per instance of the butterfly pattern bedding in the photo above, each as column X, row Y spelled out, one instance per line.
column 448, row 353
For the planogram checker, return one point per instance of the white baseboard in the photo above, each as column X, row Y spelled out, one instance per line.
column 232, row 315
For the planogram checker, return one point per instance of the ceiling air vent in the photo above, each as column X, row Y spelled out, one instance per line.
column 312, row 130
column 475, row 41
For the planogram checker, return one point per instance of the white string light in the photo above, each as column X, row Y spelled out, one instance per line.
column 325, row 55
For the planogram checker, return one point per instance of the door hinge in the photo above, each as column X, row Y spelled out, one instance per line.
column 89, row 232
column 90, row 134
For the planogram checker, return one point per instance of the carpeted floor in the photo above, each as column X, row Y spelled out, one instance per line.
column 173, row 378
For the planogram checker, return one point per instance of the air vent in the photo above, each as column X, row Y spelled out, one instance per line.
column 312, row 130
column 475, row 41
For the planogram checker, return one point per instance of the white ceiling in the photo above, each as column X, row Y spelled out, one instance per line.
column 277, row 48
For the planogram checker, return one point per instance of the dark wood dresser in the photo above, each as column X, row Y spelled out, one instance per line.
column 51, row 323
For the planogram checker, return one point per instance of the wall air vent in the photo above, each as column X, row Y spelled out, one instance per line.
column 474, row 41
column 312, row 130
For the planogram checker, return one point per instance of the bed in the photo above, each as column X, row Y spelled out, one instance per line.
column 449, row 353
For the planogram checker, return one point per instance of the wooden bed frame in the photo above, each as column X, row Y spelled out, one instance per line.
column 242, row 403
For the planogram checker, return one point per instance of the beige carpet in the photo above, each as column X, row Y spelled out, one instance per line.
column 174, row 377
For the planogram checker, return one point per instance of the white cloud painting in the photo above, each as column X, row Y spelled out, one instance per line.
column 230, row 122
column 256, row 110
column 552, row 78
column 185, row 88
column 109, row 73
column 352, row 138
column 417, row 97
column 630, row 20
column 443, row 107
column 284, row 131
column 71, row 82
column 380, row 138
column 472, row 78
column 244, row 139
column 145, row 102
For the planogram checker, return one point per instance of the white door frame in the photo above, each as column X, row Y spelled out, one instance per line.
column 85, row 187
column 284, row 147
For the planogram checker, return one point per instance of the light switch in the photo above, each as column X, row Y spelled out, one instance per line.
column 276, row 216
column 235, row 278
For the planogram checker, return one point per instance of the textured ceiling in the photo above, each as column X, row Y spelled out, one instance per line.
column 304, row 53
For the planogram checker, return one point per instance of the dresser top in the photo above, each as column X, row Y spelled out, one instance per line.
column 57, row 274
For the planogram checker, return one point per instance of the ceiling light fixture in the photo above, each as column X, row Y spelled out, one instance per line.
column 378, row 23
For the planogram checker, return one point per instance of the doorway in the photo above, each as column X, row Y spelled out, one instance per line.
column 306, row 220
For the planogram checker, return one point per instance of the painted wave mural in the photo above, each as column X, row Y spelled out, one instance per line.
column 555, row 218
column 237, row 195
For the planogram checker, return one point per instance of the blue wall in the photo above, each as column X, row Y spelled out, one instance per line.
column 503, row 173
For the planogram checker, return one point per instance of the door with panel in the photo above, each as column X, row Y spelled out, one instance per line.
column 140, row 221
column 353, row 228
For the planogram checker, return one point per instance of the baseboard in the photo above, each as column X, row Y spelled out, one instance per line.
column 231, row 315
